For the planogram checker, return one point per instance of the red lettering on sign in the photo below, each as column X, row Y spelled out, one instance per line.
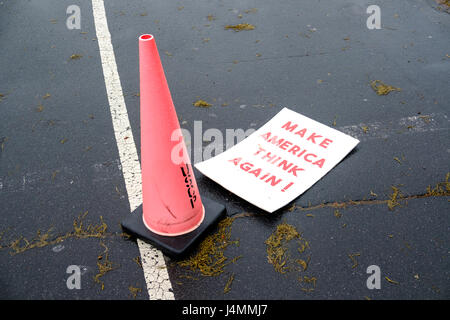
column 286, row 165
column 246, row 166
column 274, row 140
column 301, row 133
column 294, row 170
column 289, row 127
column 269, row 156
column 325, row 143
column 308, row 155
column 313, row 136
column 273, row 181
column 287, row 187
column 255, row 172
column 294, row 149
column 285, row 145
column 266, row 136
column 319, row 163
column 235, row 161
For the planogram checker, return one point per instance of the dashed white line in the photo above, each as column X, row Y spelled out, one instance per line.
column 153, row 263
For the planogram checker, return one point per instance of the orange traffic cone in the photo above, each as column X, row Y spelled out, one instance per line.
column 174, row 215
column 172, row 204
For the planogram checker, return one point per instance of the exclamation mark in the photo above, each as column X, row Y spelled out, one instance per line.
column 287, row 187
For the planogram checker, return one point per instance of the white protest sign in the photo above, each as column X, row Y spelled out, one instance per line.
column 279, row 161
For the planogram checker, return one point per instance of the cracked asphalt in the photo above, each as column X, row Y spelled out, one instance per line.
column 59, row 158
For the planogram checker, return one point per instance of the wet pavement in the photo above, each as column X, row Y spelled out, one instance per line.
column 59, row 158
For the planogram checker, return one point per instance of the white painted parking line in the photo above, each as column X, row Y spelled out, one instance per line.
column 153, row 263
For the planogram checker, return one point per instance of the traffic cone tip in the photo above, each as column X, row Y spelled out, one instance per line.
column 146, row 37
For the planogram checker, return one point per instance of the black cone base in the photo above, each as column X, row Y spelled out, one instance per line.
column 179, row 245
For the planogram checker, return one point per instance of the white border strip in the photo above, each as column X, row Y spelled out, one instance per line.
column 153, row 263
